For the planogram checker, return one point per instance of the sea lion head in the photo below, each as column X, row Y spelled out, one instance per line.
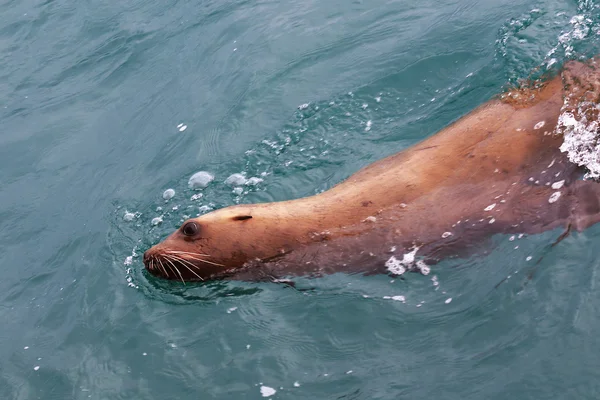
column 218, row 244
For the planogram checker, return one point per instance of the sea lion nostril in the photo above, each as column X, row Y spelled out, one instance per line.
column 147, row 256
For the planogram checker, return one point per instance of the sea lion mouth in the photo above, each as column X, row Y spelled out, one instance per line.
column 178, row 265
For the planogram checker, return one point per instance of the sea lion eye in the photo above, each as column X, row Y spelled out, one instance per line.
column 190, row 229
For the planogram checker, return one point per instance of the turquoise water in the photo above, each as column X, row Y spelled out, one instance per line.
column 300, row 95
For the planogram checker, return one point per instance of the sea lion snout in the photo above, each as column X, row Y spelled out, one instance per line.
column 180, row 256
column 172, row 264
column 147, row 257
column 151, row 262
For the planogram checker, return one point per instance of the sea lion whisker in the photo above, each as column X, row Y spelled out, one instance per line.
column 205, row 261
column 188, row 252
column 212, row 263
column 183, row 262
column 175, row 258
column 176, row 269
column 194, row 258
column 157, row 265
column 189, row 269
column 163, row 268
column 187, row 264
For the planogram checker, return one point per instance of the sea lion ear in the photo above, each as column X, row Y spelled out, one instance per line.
column 241, row 217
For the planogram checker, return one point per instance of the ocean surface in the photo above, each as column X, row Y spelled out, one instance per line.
column 105, row 105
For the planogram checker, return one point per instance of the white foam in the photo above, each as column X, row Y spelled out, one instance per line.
column 230, row 310
column 368, row 127
column 395, row 266
column 558, row 185
column 157, row 220
column 410, row 257
column 200, row 180
column 204, row 209
column 254, row 181
column 303, row 106
column 235, row 180
column 580, row 137
column 395, row 298
column 266, row 391
column 168, row 194
column 398, row 267
column 490, row 207
column 423, row 268
column 554, row 197
column 129, row 216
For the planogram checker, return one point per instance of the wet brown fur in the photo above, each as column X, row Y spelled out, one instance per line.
column 411, row 198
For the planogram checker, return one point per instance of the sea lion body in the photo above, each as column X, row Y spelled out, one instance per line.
column 498, row 169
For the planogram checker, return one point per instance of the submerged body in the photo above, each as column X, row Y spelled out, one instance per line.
column 498, row 169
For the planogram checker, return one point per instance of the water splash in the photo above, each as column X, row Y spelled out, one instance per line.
column 524, row 45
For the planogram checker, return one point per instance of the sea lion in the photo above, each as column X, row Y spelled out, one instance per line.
column 498, row 169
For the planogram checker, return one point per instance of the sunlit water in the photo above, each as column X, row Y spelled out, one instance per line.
column 107, row 105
